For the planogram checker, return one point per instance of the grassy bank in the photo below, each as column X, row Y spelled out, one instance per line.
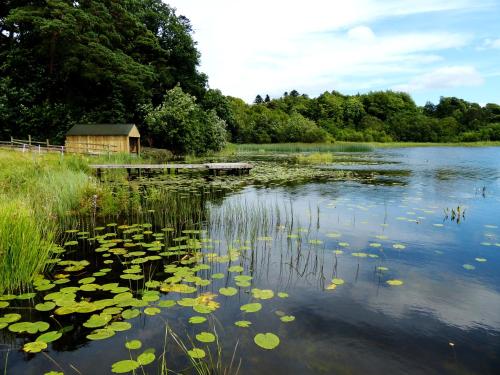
column 39, row 194
column 339, row 146
column 302, row 147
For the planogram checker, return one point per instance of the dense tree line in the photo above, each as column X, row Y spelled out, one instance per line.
column 91, row 61
column 381, row 116
column 105, row 61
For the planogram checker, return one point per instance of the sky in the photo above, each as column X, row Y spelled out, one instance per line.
column 428, row 48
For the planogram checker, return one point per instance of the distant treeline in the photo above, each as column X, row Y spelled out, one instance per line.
column 103, row 61
column 381, row 116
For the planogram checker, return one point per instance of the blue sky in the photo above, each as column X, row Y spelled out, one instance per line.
column 426, row 48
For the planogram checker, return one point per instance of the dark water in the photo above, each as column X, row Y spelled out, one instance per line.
column 439, row 206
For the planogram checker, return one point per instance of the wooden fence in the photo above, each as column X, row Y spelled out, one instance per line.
column 30, row 145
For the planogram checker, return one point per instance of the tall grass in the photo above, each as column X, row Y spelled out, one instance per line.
column 38, row 194
column 24, row 244
column 303, row 147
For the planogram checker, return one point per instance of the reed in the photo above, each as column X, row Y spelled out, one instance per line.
column 303, row 147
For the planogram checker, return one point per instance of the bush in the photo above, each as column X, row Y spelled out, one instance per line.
column 183, row 127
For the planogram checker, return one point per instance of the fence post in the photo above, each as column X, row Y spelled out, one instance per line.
column 29, row 140
column 11, row 141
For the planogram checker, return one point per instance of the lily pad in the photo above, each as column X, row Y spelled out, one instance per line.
column 243, row 323
column 205, row 337
column 122, row 367
column 267, row 341
column 197, row 353
column 469, row 267
column 394, row 282
column 251, row 307
column 262, row 293
column 35, row 347
column 101, row 334
column 152, row 311
column 49, row 336
column 133, row 344
column 197, row 319
column 230, row 291
column 146, row 358
column 287, row 318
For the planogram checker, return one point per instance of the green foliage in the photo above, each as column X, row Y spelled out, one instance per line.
column 92, row 61
column 182, row 126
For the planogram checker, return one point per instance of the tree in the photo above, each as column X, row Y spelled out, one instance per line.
column 258, row 99
column 267, row 99
column 91, row 61
column 183, row 127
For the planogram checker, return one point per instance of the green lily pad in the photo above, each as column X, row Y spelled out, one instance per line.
column 87, row 280
column 235, row 269
column 282, row 295
column 481, row 260
column 267, row 340
column 152, row 311
column 49, row 336
column 166, row 303
column 197, row 319
column 399, row 246
column 29, row 327
column 4, row 304
column 26, row 296
column 122, row 367
column 394, row 282
column 251, row 307
column 35, row 347
column 197, row 353
column 119, row 326
column 133, row 344
column 230, row 291
column 218, row 276
column 146, row 358
column 262, row 293
column 338, row 281
column 205, row 337
column 97, row 320
column 287, row 318
column 243, row 323
column 469, row 267
column 10, row 318
column 101, row 334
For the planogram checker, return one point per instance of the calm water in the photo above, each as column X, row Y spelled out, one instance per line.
column 421, row 214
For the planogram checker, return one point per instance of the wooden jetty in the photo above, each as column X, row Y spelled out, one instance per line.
column 213, row 168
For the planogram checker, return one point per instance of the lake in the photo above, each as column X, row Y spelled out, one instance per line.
column 393, row 269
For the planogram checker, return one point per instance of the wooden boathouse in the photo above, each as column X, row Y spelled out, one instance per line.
column 103, row 138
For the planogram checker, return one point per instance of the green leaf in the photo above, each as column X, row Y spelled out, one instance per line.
column 243, row 323
column 133, row 344
column 287, row 318
column 262, row 293
column 230, row 291
column 122, row 367
column 146, row 358
column 251, row 307
column 49, row 336
column 35, row 347
column 47, row 306
column 267, row 340
column 205, row 337
column 152, row 311
column 197, row 319
column 130, row 313
column 196, row 353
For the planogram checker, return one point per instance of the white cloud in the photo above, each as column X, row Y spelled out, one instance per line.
column 491, row 43
column 443, row 78
column 265, row 46
column 361, row 33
